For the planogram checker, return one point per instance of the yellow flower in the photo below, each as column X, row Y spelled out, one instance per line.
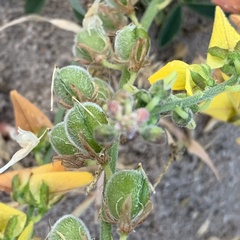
column 226, row 105
column 183, row 80
column 52, row 174
column 7, row 213
column 223, row 36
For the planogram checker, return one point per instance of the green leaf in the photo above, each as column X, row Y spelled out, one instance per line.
column 33, row 6
column 171, row 26
column 79, row 12
column 202, row 7
column 10, row 228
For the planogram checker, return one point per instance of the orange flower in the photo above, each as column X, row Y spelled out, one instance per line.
column 52, row 174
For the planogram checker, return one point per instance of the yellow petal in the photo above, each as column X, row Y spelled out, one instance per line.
column 6, row 213
column 59, row 181
column 223, row 36
column 221, row 107
column 24, row 174
column 27, row 232
column 235, row 99
column 176, row 65
column 51, row 167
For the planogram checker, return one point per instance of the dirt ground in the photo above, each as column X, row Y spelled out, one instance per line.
column 189, row 197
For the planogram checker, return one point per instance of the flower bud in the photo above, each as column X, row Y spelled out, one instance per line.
column 105, row 135
column 142, row 115
column 183, row 118
column 132, row 45
column 114, row 110
column 60, row 142
column 127, row 199
column 69, row 227
column 80, row 122
column 91, row 46
column 153, row 134
column 72, row 81
column 218, row 52
column 198, row 80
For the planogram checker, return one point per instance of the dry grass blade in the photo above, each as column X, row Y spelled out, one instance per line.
column 195, row 148
column 60, row 23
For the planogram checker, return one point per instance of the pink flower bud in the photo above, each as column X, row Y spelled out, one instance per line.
column 142, row 115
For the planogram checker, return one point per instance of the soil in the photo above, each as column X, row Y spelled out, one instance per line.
column 190, row 203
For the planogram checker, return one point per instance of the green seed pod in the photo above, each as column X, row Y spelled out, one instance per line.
column 80, row 122
column 72, row 81
column 60, row 142
column 69, row 227
column 126, row 6
column 90, row 45
column 104, row 91
column 126, row 188
column 127, row 40
column 112, row 18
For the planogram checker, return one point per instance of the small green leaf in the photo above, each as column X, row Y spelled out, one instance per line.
column 9, row 233
column 33, row 6
column 44, row 197
column 202, row 7
column 78, row 10
column 171, row 26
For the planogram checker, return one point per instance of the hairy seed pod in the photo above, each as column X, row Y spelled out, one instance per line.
column 69, row 227
column 72, row 81
column 127, row 199
column 80, row 122
column 60, row 142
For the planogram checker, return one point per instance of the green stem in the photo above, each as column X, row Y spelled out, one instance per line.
column 106, row 231
column 134, row 19
column 171, row 103
column 133, row 76
column 153, row 8
column 123, row 236
column 124, row 77
column 109, row 169
column 32, row 216
column 180, row 112
column 107, row 64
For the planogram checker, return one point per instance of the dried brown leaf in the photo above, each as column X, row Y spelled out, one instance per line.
column 196, row 148
column 27, row 115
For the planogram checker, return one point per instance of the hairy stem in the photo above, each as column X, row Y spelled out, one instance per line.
column 171, row 104
column 153, row 8
column 109, row 169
